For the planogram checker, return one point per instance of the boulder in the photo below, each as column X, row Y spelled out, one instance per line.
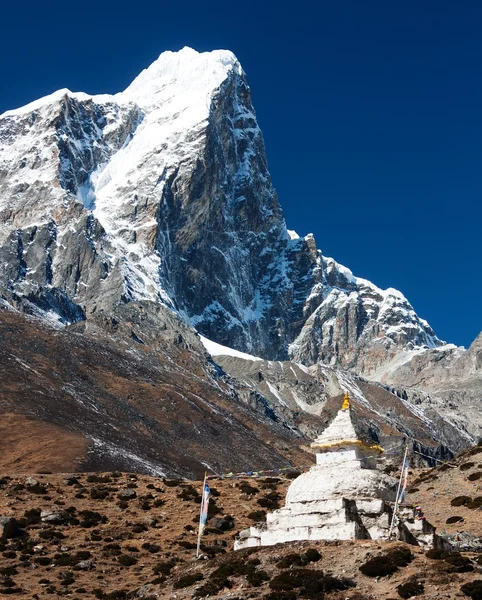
column 9, row 528
column 52, row 515
column 127, row 494
column 222, row 523
column 31, row 482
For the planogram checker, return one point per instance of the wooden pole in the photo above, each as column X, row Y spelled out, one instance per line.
column 201, row 526
column 395, row 508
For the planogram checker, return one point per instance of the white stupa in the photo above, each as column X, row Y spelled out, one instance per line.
column 344, row 496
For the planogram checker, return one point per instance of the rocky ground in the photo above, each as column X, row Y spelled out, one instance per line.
column 117, row 535
column 451, row 495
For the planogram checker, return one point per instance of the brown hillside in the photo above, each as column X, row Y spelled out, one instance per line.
column 130, row 396
column 144, row 546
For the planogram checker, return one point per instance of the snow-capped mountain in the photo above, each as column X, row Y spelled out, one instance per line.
column 162, row 192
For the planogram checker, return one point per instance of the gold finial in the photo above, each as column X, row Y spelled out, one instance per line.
column 346, row 402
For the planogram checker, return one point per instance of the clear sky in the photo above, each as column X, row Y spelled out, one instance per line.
column 371, row 113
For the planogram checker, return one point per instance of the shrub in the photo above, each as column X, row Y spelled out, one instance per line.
column 212, row 550
column 248, row 489
column 98, row 479
column 460, row 501
column 256, row 578
column 187, row 580
column 337, row 584
column 476, row 450
column 475, row 476
column 473, row 589
column 210, row 588
column 98, row 493
column 410, row 588
column 400, row 555
column 312, row 555
column 219, row 578
column 379, row 566
column 112, row 550
column 83, row 555
column 466, row 466
column 189, row 494
column 32, row 516
column 91, row 518
column 126, row 560
column 258, row 516
column 187, row 545
column 476, row 503
column 164, row 567
column 456, row 563
column 312, row 582
column 172, row 482
column 280, row 596
column 65, row 560
column 445, row 467
column 37, row 489
column 454, row 519
column 270, row 501
column 50, row 534
column 152, row 548
column 289, row 560
column 299, row 560
column 68, row 579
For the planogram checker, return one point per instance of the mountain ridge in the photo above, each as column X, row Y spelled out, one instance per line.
column 161, row 195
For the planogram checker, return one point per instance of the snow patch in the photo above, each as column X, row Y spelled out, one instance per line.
column 216, row 349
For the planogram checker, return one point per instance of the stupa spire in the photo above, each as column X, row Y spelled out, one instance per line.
column 346, row 402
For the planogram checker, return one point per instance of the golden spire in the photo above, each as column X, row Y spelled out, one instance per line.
column 346, row 402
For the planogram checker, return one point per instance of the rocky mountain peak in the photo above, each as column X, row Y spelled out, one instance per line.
column 162, row 193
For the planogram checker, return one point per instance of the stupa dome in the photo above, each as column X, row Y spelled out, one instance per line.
column 351, row 482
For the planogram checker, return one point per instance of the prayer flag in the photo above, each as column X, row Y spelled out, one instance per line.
column 203, row 515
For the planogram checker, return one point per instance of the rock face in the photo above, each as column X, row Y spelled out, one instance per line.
column 451, row 380
column 307, row 397
column 162, row 193
column 343, row 497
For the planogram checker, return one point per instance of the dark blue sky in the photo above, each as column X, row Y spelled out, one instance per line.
column 371, row 113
